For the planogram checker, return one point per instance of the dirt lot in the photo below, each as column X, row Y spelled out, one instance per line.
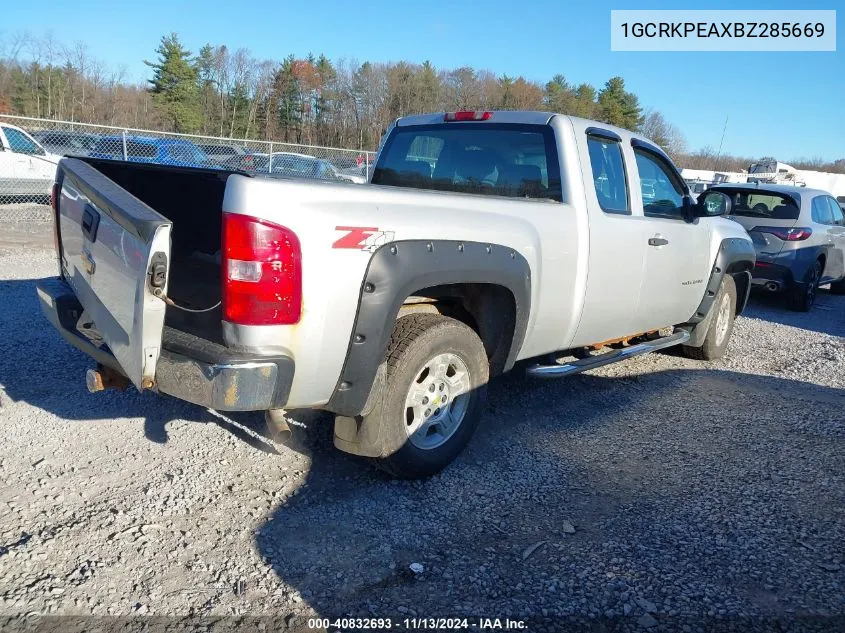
column 657, row 494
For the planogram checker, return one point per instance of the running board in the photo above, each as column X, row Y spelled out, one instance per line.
column 592, row 362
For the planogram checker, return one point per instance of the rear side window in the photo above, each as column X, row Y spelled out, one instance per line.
column 516, row 161
column 609, row 174
column 822, row 213
column 836, row 210
column 761, row 204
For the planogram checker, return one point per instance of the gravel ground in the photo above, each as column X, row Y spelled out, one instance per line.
column 659, row 494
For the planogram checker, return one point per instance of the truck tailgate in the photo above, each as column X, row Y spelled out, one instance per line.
column 113, row 247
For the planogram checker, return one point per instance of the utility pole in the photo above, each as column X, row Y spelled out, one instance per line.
column 719, row 153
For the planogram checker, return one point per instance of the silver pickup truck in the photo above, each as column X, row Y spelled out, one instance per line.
column 483, row 239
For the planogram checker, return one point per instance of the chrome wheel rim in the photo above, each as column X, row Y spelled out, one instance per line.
column 723, row 319
column 437, row 401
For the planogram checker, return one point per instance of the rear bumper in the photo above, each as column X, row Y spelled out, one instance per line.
column 189, row 368
column 785, row 270
column 772, row 277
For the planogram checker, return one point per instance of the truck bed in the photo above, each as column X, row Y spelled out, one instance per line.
column 192, row 199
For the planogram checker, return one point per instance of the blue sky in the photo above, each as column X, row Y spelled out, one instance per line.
column 788, row 105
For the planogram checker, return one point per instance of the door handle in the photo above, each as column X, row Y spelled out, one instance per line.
column 90, row 222
column 657, row 241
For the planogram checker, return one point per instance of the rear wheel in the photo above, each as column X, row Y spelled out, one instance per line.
column 437, row 372
column 803, row 296
column 721, row 324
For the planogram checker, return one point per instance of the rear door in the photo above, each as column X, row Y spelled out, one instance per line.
column 114, row 249
column 677, row 252
column 617, row 243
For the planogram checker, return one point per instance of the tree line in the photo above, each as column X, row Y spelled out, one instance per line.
column 313, row 100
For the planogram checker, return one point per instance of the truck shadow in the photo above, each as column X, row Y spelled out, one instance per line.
column 649, row 471
column 38, row 367
column 826, row 317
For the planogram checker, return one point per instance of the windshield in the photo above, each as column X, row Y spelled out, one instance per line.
column 518, row 161
column 762, row 204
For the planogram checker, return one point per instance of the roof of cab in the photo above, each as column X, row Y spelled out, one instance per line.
column 498, row 116
column 529, row 117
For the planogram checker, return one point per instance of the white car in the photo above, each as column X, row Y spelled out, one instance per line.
column 26, row 168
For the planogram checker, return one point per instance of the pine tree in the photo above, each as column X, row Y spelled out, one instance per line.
column 618, row 106
column 175, row 85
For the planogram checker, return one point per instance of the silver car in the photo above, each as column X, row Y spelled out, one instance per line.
column 799, row 235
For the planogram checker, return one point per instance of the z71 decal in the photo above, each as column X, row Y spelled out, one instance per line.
column 363, row 238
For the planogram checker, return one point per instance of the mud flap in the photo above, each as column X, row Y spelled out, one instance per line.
column 364, row 434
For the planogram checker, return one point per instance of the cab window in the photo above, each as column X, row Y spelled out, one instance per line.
column 663, row 196
column 609, row 174
column 512, row 160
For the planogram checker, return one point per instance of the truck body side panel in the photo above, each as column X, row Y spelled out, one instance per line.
column 339, row 227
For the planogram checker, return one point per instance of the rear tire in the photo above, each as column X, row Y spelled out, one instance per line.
column 430, row 357
column 803, row 296
column 721, row 324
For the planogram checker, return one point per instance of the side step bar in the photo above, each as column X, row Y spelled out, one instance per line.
column 557, row 370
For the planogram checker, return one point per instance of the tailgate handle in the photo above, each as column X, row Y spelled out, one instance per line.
column 90, row 222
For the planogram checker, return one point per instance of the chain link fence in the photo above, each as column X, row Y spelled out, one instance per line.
column 32, row 147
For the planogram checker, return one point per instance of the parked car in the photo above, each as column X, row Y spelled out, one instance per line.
column 697, row 187
column 26, row 168
column 66, row 143
column 390, row 304
column 222, row 153
column 289, row 164
column 353, row 168
column 799, row 236
column 148, row 149
column 357, row 175
column 841, row 201
column 250, row 161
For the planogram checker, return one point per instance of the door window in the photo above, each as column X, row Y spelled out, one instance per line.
column 663, row 196
column 20, row 142
column 608, row 174
column 822, row 213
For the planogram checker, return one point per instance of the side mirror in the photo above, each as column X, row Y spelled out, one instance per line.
column 712, row 204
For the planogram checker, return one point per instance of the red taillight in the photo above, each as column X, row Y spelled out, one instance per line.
column 787, row 235
column 55, row 192
column 467, row 115
column 262, row 272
